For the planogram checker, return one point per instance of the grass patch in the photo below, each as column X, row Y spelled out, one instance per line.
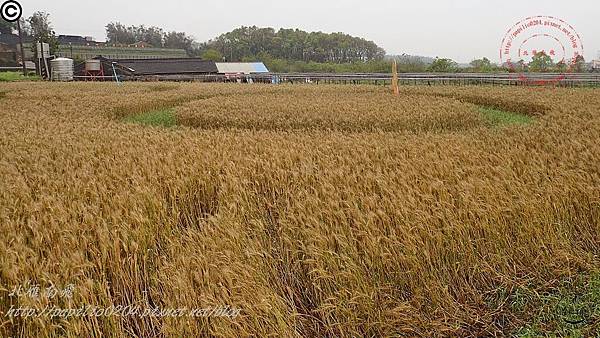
column 571, row 309
column 157, row 118
column 16, row 76
column 499, row 118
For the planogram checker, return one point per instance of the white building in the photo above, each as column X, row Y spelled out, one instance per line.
column 246, row 68
column 241, row 71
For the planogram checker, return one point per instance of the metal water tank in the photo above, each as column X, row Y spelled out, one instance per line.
column 62, row 69
column 93, row 65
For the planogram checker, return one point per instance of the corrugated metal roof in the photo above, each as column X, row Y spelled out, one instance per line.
column 260, row 67
column 167, row 66
column 241, row 67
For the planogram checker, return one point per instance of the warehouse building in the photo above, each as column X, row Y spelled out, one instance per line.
column 183, row 66
column 146, row 69
column 174, row 69
column 77, row 40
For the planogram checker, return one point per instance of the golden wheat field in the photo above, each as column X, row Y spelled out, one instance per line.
column 309, row 211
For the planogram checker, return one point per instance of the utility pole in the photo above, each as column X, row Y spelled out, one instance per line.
column 21, row 45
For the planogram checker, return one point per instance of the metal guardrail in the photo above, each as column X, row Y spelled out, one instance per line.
column 569, row 79
column 572, row 79
column 433, row 76
column 104, row 77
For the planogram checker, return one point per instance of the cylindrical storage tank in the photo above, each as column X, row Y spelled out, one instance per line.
column 62, row 69
column 93, row 66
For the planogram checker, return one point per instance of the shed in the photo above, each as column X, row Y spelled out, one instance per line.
column 143, row 69
column 151, row 67
column 177, row 66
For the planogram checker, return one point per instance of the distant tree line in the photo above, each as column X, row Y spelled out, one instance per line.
column 249, row 42
column 543, row 63
column 540, row 63
column 295, row 45
column 373, row 66
column 117, row 33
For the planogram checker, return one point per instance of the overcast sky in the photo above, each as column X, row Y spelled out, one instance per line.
column 458, row 29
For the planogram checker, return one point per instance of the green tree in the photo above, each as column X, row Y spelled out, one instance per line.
column 578, row 64
column 443, row 66
column 151, row 35
column 7, row 27
column 117, row 33
column 562, row 67
column 178, row 40
column 40, row 28
column 212, row 55
column 541, row 63
column 514, row 67
column 295, row 45
column 482, row 65
column 416, row 66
